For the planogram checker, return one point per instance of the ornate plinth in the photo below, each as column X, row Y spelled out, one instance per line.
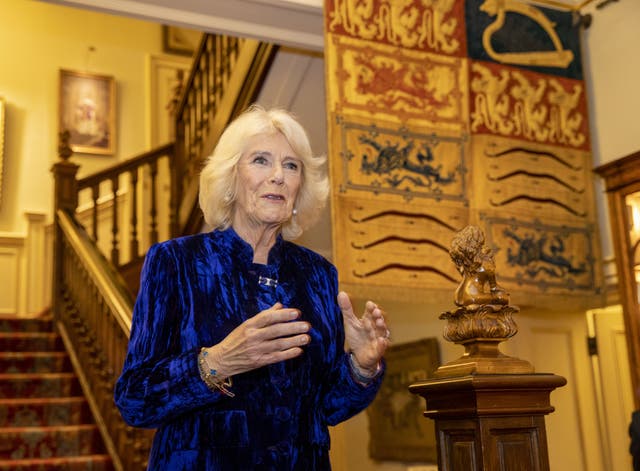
column 488, row 407
column 490, row 422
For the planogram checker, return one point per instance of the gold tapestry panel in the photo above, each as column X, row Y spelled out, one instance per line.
column 396, row 85
column 549, row 256
column 384, row 243
column 517, row 103
column 438, row 120
column 436, row 26
column 527, row 179
column 380, row 158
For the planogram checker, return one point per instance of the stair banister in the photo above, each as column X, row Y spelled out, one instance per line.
column 91, row 304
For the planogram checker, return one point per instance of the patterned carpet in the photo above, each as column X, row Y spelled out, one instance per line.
column 45, row 421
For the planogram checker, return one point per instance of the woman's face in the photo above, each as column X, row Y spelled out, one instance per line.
column 269, row 177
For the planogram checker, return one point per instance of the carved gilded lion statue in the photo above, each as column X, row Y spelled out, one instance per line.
column 475, row 262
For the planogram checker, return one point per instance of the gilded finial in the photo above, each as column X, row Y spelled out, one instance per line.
column 483, row 318
column 474, row 260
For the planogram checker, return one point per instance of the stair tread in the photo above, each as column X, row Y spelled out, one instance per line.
column 44, row 441
column 34, row 362
column 31, row 342
column 36, row 354
column 48, row 428
column 28, row 334
column 11, row 323
column 10, row 376
column 58, row 459
column 41, row 400
column 47, row 411
column 33, row 366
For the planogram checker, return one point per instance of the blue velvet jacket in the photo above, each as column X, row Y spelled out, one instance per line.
column 194, row 291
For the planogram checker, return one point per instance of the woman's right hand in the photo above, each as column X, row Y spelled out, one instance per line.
column 271, row 336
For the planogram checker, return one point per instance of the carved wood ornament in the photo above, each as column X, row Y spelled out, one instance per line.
column 484, row 317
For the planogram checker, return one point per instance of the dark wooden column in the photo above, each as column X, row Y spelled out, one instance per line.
column 488, row 407
column 490, row 421
column 65, row 199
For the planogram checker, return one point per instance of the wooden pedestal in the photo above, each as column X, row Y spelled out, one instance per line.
column 490, row 422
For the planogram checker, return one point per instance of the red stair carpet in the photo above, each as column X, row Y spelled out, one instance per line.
column 45, row 421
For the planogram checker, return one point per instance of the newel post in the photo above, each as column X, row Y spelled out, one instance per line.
column 488, row 407
column 65, row 199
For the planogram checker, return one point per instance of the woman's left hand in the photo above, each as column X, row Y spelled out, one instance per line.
column 367, row 337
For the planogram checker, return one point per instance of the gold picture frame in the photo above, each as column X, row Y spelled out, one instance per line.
column 398, row 430
column 88, row 111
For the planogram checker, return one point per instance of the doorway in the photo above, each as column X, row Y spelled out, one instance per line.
column 612, row 384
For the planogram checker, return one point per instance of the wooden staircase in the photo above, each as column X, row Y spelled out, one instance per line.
column 45, row 421
column 98, row 251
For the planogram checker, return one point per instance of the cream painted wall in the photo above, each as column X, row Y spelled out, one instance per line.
column 36, row 30
column 612, row 74
column 612, row 69
column 39, row 39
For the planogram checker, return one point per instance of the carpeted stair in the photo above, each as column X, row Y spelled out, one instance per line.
column 45, row 421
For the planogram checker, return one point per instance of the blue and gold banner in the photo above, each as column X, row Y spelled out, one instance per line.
column 512, row 32
column 447, row 113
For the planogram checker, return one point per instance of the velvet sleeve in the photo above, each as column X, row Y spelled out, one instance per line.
column 345, row 397
column 160, row 380
column 348, row 397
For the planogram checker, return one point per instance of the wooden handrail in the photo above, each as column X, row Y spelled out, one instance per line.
column 126, row 166
column 101, row 272
column 128, row 180
column 94, row 321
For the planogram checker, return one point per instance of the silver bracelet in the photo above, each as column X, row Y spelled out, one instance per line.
column 356, row 371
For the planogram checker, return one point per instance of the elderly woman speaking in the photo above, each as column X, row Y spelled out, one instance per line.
column 242, row 350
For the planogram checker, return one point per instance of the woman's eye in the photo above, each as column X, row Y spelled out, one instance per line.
column 291, row 165
column 259, row 160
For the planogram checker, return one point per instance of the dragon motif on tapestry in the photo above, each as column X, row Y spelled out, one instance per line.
column 418, row 167
column 542, row 255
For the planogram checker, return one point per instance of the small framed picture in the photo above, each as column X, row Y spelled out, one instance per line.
column 87, row 111
column 398, row 430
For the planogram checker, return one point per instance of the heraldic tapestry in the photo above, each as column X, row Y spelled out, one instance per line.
column 444, row 113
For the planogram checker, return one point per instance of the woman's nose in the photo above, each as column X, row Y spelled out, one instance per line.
column 277, row 175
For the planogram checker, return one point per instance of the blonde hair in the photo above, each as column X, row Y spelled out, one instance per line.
column 218, row 179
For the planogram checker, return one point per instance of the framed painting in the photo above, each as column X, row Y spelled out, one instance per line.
column 398, row 429
column 87, row 111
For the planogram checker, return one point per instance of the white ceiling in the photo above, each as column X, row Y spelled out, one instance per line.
column 296, row 23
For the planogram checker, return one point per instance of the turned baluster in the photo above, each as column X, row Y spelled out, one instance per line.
column 133, row 243
column 115, row 252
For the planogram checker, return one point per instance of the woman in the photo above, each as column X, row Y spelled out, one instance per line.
column 237, row 350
